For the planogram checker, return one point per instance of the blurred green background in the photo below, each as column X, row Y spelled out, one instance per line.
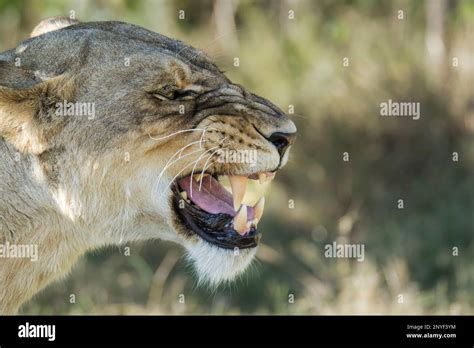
column 424, row 54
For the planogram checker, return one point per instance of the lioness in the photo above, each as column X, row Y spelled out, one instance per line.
column 162, row 114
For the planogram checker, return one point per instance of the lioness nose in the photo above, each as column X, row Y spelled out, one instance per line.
column 282, row 141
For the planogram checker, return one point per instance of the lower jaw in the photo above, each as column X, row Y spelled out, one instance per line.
column 216, row 229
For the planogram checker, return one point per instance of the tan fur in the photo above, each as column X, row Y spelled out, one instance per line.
column 73, row 185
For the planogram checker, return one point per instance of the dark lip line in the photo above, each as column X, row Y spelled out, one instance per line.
column 263, row 135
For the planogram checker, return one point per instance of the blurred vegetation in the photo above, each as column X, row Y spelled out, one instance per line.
column 299, row 62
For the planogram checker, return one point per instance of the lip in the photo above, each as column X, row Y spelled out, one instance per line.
column 215, row 229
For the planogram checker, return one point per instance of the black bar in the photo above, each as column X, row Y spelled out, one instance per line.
column 290, row 330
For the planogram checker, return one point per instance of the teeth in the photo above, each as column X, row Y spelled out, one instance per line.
column 258, row 209
column 265, row 177
column 238, row 185
column 255, row 222
column 184, row 194
column 240, row 220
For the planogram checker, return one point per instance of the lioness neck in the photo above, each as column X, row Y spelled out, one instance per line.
column 34, row 245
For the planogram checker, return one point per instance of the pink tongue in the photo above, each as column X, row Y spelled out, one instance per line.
column 212, row 198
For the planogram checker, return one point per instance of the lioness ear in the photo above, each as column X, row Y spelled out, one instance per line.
column 51, row 24
column 26, row 108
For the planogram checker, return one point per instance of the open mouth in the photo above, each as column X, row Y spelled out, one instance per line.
column 217, row 215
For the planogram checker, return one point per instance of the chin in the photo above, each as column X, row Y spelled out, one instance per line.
column 216, row 265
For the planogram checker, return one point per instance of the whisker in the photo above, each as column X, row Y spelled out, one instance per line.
column 204, row 131
column 194, row 168
column 302, row 116
column 202, row 172
column 180, row 151
column 205, row 164
column 170, row 164
column 174, row 178
column 211, row 164
column 178, row 132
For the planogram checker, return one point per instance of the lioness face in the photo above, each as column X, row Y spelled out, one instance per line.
column 166, row 126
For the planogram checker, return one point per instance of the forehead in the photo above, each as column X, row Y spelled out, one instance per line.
column 85, row 45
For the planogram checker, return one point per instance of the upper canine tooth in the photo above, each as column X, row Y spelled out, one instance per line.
column 240, row 220
column 258, row 208
column 265, row 177
column 238, row 185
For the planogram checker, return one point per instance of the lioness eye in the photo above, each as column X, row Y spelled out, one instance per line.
column 172, row 92
column 187, row 94
column 166, row 92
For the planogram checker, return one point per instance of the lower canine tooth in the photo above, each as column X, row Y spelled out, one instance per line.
column 184, row 194
column 240, row 220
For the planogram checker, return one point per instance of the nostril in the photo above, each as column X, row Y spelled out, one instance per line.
column 281, row 141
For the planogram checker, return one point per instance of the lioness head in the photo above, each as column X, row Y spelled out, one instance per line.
column 127, row 134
